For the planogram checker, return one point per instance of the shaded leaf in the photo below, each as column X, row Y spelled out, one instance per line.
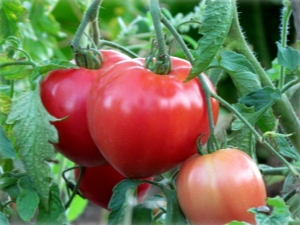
column 54, row 64
column 288, row 57
column 142, row 214
column 260, row 98
column 28, row 199
column 241, row 72
column 33, row 134
column 118, row 203
column 279, row 215
column 3, row 219
column 286, row 149
column 6, row 149
column 54, row 214
column 216, row 23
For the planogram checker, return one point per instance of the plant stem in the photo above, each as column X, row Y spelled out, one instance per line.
column 162, row 64
column 258, row 137
column 287, row 11
column 74, row 191
column 90, row 16
column 283, row 171
column 290, row 84
column 24, row 63
column 84, row 58
column 282, row 108
column 119, row 47
column 178, row 38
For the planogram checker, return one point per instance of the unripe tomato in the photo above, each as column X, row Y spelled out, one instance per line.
column 144, row 123
column 64, row 95
column 217, row 188
column 97, row 184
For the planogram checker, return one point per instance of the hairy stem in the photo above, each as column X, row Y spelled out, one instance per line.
column 287, row 11
column 258, row 137
column 282, row 108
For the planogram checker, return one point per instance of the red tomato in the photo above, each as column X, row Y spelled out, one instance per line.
column 144, row 123
column 64, row 94
column 97, row 184
column 217, row 188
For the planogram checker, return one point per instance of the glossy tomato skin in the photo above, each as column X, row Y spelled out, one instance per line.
column 97, row 184
column 64, row 95
column 144, row 123
column 217, row 188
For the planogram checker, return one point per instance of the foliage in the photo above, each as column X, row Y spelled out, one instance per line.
column 35, row 39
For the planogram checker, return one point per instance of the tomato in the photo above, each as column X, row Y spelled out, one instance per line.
column 217, row 188
column 97, row 184
column 143, row 123
column 64, row 94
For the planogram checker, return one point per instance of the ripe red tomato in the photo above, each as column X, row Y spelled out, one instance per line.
column 64, row 94
column 217, row 188
column 144, row 123
column 97, row 184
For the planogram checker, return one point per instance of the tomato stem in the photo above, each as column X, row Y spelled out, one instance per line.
column 119, row 47
column 75, row 189
column 287, row 11
column 81, row 57
column 258, row 137
column 282, row 108
column 178, row 38
column 162, row 64
column 283, row 171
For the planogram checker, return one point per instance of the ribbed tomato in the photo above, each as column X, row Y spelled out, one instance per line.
column 64, row 94
column 217, row 188
column 145, row 123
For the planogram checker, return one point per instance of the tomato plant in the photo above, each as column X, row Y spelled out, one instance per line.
column 64, row 94
column 97, row 184
column 145, row 123
column 149, row 114
column 220, row 187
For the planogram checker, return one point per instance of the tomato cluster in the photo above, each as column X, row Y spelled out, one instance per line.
column 124, row 121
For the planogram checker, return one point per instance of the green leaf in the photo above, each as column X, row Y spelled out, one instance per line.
column 242, row 137
column 174, row 214
column 33, row 134
column 9, row 184
column 216, row 23
column 11, row 13
column 28, row 200
column 40, row 35
column 274, row 72
column 6, row 149
column 7, row 181
column 119, row 200
column 244, row 140
column 260, row 98
column 9, row 43
column 288, row 57
column 279, row 215
column 55, row 213
column 286, row 149
column 76, row 208
column 53, row 64
column 142, row 214
column 240, row 70
column 14, row 72
column 3, row 219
